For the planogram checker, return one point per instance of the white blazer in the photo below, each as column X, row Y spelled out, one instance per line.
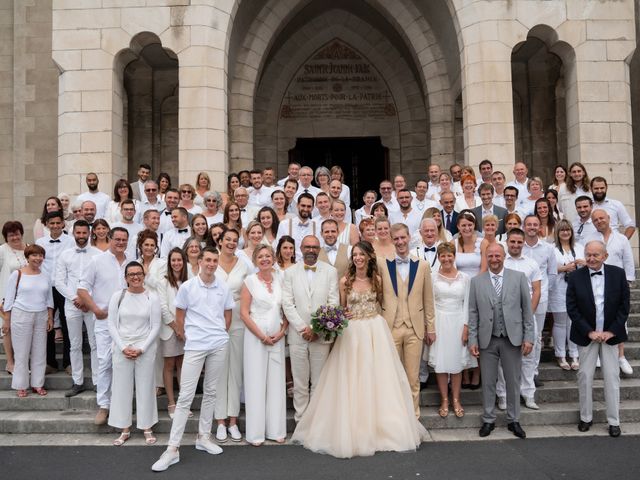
column 300, row 300
column 167, row 295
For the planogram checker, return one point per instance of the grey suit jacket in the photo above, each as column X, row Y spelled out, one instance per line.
column 497, row 211
column 516, row 307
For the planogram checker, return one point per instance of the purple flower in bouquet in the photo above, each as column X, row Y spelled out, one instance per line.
column 328, row 321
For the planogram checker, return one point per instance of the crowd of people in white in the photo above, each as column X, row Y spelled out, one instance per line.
column 166, row 281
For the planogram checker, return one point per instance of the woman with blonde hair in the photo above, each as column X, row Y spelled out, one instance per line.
column 187, row 195
column 347, row 232
column 383, row 246
column 203, row 185
column 254, row 237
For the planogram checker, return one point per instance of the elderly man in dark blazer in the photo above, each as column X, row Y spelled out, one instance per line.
column 501, row 329
column 598, row 305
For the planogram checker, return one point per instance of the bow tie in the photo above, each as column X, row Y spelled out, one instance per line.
column 400, row 260
column 312, row 268
column 243, row 209
column 81, row 250
column 330, row 248
column 596, row 273
column 303, row 224
column 429, row 249
column 167, row 212
column 183, row 230
column 54, row 241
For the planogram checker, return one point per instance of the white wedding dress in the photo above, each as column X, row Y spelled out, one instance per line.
column 363, row 401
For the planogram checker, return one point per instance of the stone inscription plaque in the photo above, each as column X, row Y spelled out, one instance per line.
column 337, row 82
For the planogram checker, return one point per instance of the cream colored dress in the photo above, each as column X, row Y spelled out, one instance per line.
column 363, row 401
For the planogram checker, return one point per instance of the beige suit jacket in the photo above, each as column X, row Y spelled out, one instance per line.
column 421, row 310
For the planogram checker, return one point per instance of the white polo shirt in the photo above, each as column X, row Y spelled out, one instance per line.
column 100, row 199
column 525, row 265
column 204, row 324
column 542, row 253
column 412, row 219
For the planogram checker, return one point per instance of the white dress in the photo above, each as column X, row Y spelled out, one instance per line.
column 451, row 301
column 469, row 263
column 363, row 401
column 344, row 236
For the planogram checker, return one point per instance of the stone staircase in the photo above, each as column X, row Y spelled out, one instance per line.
column 558, row 399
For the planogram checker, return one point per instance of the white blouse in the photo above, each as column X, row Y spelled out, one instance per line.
column 34, row 293
column 10, row 261
column 137, row 321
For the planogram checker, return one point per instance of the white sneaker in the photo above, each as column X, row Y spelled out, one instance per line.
column 221, row 433
column 168, row 458
column 529, row 402
column 624, row 366
column 502, row 403
column 234, row 431
column 205, row 444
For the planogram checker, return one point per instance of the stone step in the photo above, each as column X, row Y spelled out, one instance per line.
column 81, row 421
column 549, row 371
column 631, row 351
column 552, row 392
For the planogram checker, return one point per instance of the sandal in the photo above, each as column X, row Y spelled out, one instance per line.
column 22, row 393
column 281, row 440
column 443, row 411
column 124, row 436
column 40, row 391
column 171, row 410
column 149, row 439
column 457, row 408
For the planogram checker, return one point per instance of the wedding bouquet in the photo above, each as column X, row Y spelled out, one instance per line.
column 329, row 321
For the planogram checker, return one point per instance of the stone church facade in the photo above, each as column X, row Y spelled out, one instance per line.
column 378, row 86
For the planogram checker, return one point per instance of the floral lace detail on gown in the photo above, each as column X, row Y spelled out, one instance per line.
column 362, row 305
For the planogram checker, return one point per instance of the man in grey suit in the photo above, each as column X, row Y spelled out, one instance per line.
column 501, row 328
column 488, row 208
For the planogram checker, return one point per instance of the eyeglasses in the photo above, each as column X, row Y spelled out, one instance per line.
column 150, row 189
column 185, row 191
column 212, row 200
column 135, row 274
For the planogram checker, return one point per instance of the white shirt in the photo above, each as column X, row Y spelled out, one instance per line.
column 143, row 195
column 173, row 238
column 53, row 249
column 597, row 286
column 34, row 293
column 345, row 195
column 145, row 205
column 360, row 214
column 431, row 256
column 297, row 229
column 136, row 322
column 411, row 219
column 332, row 252
column 522, row 187
column 525, row 265
column 217, row 218
column 101, row 200
column 70, row 268
column 392, row 205
column 461, row 203
column 102, row 277
column 543, row 254
column 583, row 231
column 434, row 190
column 422, row 205
column 566, row 201
column 403, row 268
column 165, row 222
column 619, row 251
column 247, row 214
column 204, row 324
column 310, row 189
column 498, row 199
column 260, row 197
column 617, row 213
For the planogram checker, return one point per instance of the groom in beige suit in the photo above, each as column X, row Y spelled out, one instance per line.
column 307, row 286
column 408, row 306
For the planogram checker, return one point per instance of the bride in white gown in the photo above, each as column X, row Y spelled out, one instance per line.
column 363, row 402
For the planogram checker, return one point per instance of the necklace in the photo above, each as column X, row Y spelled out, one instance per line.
column 267, row 283
column 20, row 261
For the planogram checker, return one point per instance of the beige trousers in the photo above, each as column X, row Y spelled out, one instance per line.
column 409, row 348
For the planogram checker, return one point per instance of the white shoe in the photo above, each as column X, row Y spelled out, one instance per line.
column 598, row 363
column 575, row 364
column 205, row 444
column 221, row 433
column 529, row 402
column 168, row 458
column 234, row 431
column 563, row 364
column 624, row 366
column 502, row 403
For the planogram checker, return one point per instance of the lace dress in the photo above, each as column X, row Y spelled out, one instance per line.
column 363, row 401
column 451, row 300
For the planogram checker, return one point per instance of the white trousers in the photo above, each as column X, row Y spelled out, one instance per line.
column 539, row 316
column 126, row 373
column 230, row 384
column 213, row 362
column 103, row 351
column 29, row 338
column 158, row 367
column 265, row 391
column 561, row 331
column 307, row 360
column 611, row 374
column 75, row 319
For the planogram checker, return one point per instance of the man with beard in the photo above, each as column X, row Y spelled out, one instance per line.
column 618, row 215
column 583, row 225
column 70, row 268
column 100, row 199
column 302, row 226
column 306, row 286
column 407, row 215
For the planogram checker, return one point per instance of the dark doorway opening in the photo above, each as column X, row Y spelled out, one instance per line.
column 364, row 160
